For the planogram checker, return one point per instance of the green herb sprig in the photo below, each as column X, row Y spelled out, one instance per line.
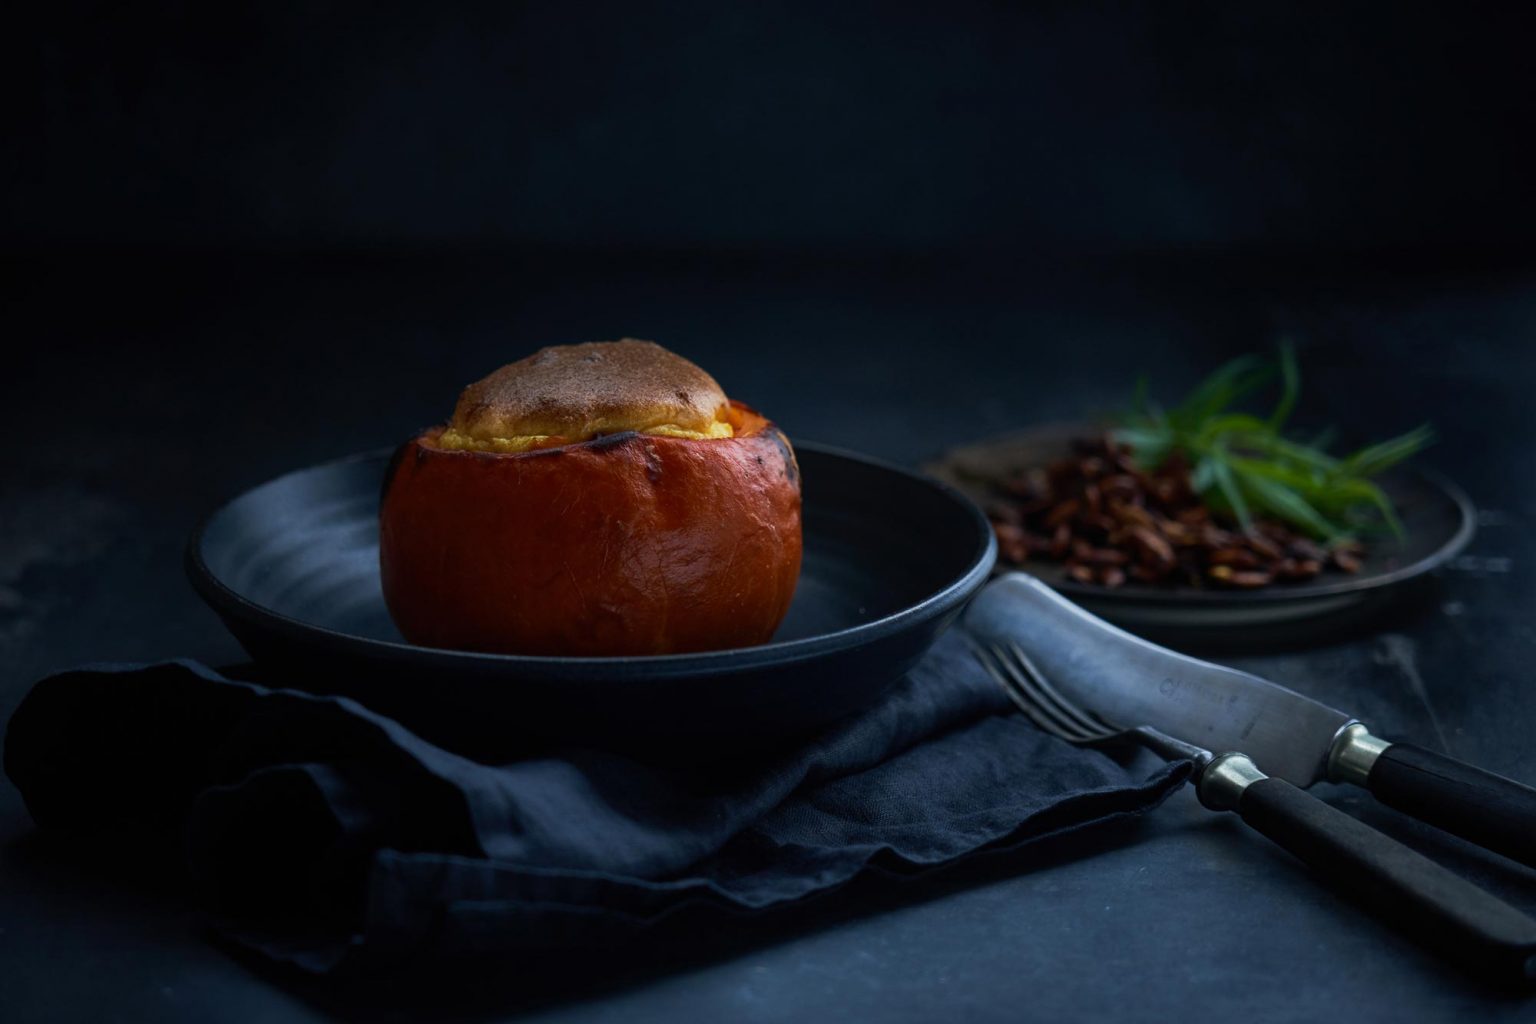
column 1242, row 464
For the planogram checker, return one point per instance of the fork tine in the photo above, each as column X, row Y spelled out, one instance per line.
column 1053, row 713
column 998, row 670
column 1034, row 688
column 1026, row 694
column 994, row 667
column 1087, row 719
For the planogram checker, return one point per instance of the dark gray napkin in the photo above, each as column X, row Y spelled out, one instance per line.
column 322, row 833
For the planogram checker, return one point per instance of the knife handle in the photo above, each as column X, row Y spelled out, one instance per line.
column 1434, row 905
column 1496, row 813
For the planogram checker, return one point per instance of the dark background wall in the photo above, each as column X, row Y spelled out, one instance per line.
column 788, row 127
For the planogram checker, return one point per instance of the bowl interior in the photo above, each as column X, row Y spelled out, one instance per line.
column 878, row 541
column 890, row 559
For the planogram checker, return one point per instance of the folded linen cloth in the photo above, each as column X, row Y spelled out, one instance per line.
column 324, row 834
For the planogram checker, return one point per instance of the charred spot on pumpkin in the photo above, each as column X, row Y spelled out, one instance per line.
column 791, row 468
column 605, row 441
column 652, row 463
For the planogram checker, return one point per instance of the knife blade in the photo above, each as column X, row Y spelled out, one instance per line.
column 1127, row 679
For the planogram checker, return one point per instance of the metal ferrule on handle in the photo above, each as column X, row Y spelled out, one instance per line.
column 1222, row 784
column 1496, row 813
column 1353, row 754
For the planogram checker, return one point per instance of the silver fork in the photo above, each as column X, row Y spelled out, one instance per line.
column 1053, row 713
column 1434, row 905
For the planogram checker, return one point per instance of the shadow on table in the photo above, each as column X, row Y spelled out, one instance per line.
column 494, row 986
column 483, row 988
column 691, row 939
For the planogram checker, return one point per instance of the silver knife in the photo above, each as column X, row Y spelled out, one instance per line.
column 1127, row 679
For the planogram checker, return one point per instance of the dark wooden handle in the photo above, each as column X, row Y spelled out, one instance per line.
column 1439, row 908
column 1496, row 813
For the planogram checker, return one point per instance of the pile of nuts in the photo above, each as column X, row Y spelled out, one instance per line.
column 1109, row 521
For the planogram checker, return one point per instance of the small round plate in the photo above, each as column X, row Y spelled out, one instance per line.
column 890, row 559
column 1437, row 523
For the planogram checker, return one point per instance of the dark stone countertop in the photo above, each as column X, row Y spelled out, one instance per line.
column 141, row 393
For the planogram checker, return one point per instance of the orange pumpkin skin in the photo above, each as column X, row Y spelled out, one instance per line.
column 629, row 544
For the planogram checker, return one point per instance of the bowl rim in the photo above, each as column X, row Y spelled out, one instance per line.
column 230, row 603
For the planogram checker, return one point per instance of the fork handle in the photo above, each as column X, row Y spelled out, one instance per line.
column 1429, row 902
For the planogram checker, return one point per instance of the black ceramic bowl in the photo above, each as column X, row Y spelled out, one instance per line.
column 890, row 559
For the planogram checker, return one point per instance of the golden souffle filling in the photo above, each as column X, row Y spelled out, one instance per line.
column 453, row 439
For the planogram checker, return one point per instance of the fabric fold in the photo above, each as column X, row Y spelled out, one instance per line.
column 322, row 833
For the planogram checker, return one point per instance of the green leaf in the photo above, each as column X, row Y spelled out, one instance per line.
column 1290, row 386
column 1150, row 444
column 1226, row 485
column 1300, row 478
column 1285, row 503
column 1203, row 476
column 1382, row 504
column 1224, row 386
column 1377, row 457
column 1280, row 450
column 1242, row 464
column 1136, row 436
column 1229, row 423
column 1388, row 513
column 1334, row 498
